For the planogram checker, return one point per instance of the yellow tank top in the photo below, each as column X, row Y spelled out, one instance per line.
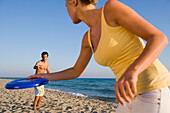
column 118, row 48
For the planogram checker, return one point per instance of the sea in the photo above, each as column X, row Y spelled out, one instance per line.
column 94, row 88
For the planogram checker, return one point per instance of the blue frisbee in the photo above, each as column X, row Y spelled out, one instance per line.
column 26, row 83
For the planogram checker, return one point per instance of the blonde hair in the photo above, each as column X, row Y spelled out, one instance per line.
column 87, row 2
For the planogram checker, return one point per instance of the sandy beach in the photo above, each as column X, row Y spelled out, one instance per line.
column 17, row 101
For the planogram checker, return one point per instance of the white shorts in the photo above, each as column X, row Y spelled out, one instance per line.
column 157, row 101
column 39, row 91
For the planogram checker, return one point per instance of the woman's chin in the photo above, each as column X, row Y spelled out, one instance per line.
column 77, row 21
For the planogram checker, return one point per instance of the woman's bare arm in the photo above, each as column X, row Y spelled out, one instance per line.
column 156, row 42
column 76, row 70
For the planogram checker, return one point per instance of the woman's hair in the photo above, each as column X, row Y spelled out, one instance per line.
column 87, row 2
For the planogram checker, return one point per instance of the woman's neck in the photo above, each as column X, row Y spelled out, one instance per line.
column 90, row 15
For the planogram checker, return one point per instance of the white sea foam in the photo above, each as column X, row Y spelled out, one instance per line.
column 70, row 93
column 77, row 94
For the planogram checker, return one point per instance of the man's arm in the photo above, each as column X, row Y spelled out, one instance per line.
column 48, row 69
column 36, row 65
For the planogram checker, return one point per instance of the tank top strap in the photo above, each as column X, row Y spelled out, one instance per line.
column 89, row 40
column 103, row 22
column 103, row 18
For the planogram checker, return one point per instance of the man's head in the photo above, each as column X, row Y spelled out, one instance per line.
column 44, row 56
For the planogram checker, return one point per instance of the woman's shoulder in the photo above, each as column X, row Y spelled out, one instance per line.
column 110, row 11
column 110, row 4
column 113, row 6
column 115, row 10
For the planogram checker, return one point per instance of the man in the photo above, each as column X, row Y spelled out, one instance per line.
column 41, row 66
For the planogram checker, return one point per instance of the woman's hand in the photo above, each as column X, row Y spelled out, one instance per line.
column 39, row 76
column 125, row 87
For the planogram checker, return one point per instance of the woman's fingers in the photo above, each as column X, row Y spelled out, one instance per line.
column 133, row 87
column 128, row 90
column 118, row 95
column 34, row 76
column 124, row 91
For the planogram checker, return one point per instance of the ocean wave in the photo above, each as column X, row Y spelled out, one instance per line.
column 51, row 84
column 70, row 93
column 53, row 89
column 77, row 94
column 105, row 90
column 102, row 90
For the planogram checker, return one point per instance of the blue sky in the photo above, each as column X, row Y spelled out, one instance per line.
column 29, row 27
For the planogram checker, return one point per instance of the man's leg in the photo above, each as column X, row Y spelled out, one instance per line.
column 39, row 101
column 41, row 93
column 35, row 102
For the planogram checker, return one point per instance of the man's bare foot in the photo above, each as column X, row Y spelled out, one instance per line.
column 34, row 109
column 39, row 105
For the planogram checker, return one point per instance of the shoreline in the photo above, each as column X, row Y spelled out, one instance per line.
column 21, row 100
column 83, row 95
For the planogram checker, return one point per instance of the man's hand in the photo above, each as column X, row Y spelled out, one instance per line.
column 125, row 87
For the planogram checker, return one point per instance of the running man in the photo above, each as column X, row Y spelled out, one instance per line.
column 41, row 66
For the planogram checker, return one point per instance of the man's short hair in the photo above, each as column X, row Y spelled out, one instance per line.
column 44, row 53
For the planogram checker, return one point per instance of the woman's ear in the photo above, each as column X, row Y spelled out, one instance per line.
column 75, row 2
column 72, row 2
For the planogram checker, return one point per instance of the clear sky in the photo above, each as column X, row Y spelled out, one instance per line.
column 29, row 27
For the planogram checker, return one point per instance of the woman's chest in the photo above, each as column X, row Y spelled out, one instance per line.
column 108, row 46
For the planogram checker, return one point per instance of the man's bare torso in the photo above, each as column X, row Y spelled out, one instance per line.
column 42, row 66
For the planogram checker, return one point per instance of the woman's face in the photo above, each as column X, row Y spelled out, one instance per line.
column 72, row 11
column 69, row 10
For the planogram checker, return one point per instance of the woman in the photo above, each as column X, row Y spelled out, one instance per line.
column 113, row 38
